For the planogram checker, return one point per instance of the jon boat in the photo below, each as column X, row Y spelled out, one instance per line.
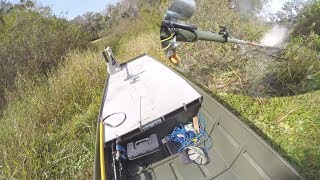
column 144, row 101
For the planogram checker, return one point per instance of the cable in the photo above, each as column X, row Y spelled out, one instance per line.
column 109, row 125
column 189, row 138
column 122, row 150
column 170, row 37
column 180, row 135
column 207, row 139
column 167, row 47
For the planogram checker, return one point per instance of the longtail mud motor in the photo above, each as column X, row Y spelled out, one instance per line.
column 174, row 30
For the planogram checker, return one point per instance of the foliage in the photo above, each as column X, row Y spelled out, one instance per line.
column 247, row 6
column 48, row 131
column 32, row 41
column 130, row 38
column 92, row 23
column 300, row 63
column 99, row 24
column 291, row 9
column 308, row 20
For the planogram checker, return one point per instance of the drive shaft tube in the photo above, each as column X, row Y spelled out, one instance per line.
column 195, row 35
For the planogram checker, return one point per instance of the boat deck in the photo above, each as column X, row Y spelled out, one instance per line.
column 144, row 90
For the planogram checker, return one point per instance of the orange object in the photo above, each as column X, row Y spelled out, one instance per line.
column 174, row 58
column 174, row 61
column 196, row 124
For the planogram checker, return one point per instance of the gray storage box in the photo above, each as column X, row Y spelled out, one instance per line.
column 143, row 147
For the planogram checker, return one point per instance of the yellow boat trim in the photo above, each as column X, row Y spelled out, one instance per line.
column 102, row 163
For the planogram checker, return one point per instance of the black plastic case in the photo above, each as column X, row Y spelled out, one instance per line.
column 143, row 147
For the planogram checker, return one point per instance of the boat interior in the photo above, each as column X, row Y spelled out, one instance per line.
column 137, row 168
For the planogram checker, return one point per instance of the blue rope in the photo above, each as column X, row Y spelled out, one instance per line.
column 182, row 136
column 203, row 135
column 186, row 138
column 123, row 151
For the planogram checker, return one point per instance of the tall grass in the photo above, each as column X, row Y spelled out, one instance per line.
column 301, row 64
column 47, row 131
column 32, row 41
column 130, row 38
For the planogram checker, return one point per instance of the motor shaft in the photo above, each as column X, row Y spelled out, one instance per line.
column 192, row 36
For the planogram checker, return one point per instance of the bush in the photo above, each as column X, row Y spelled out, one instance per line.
column 300, row 63
column 32, row 42
column 308, row 20
column 48, row 131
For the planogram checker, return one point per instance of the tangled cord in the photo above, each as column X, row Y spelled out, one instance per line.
column 189, row 138
column 114, row 126
column 182, row 136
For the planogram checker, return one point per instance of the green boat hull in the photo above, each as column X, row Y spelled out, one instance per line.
column 237, row 152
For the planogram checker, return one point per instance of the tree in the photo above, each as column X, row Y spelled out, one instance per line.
column 290, row 10
column 27, row 3
column 308, row 20
column 97, row 24
column 4, row 8
column 248, row 6
column 92, row 23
